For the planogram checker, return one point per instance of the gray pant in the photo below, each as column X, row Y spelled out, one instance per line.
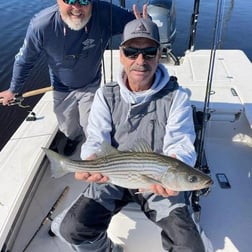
column 72, row 110
column 102, row 243
column 85, row 223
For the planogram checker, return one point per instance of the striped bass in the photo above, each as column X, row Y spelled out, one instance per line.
column 134, row 169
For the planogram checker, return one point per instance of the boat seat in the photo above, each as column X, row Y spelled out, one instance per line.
column 135, row 224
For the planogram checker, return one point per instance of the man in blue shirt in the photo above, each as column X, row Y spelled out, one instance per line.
column 73, row 34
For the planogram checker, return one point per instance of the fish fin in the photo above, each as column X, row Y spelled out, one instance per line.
column 141, row 145
column 106, row 149
column 56, row 163
column 150, row 180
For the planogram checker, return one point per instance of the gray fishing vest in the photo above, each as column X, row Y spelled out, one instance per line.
column 147, row 120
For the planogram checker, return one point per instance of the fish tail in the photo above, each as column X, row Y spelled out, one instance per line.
column 56, row 163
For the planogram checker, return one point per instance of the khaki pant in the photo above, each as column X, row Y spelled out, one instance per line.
column 72, row 110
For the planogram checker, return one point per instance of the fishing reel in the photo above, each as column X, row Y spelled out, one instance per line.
column 20, row 98
column 17, row 101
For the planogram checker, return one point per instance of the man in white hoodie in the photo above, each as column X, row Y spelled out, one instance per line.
column 145, row 103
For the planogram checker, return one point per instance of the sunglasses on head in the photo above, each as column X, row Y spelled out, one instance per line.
column 132, row 53
column 81, row 2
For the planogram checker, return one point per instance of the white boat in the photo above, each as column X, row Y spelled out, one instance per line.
column 28, row 193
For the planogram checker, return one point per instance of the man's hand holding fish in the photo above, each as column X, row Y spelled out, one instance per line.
column 99, row 178
column 94, row 177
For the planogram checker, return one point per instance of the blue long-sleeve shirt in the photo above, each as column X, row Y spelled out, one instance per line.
column 74, row 57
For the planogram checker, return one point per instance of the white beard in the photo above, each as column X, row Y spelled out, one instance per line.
column 76, row 25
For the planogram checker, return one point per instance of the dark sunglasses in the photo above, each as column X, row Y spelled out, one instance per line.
column 81, row 2
column 132, row 53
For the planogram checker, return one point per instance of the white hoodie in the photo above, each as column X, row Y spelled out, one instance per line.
column 179, row 136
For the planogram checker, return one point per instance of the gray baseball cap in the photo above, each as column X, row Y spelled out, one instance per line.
column 140, row 28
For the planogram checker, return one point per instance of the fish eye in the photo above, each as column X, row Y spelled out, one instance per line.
column 193, row 179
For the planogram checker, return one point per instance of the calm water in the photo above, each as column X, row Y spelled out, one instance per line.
column 15, row 16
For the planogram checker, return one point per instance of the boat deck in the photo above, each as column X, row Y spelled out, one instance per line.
column 226, row 215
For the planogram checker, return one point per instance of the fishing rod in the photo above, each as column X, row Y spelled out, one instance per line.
column 206, row 109
column 194, row 22
column 48, row 217
column 111, row 49
column 200, row 164
column 20, row 98
column 111, row 41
